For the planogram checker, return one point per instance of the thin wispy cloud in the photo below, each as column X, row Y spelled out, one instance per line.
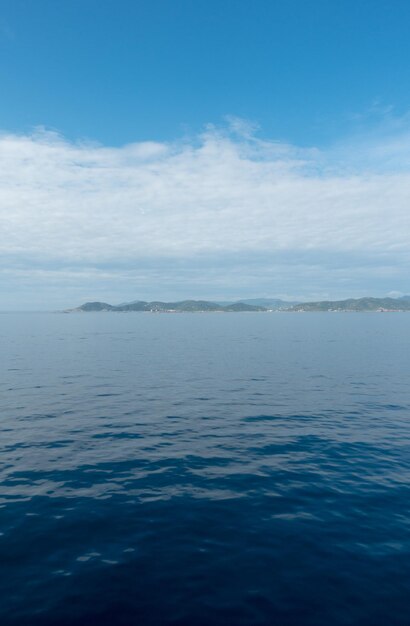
column 214, row 207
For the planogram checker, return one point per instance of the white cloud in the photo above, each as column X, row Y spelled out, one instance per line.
column 221, row 195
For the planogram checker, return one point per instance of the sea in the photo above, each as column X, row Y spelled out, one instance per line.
column 205, row 469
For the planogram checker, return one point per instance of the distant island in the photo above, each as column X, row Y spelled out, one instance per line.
column 356, row 305
column 185, row 306
column 255, row 305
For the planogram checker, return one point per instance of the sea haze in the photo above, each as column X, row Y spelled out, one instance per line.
column 205, row 469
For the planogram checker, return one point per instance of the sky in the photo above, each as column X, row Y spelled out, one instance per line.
column 218, row 149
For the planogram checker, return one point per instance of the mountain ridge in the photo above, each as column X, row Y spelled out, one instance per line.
column 355, row 304
column 202, row 306
column 187, row 306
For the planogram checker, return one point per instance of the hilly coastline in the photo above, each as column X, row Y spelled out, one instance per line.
column 356, row 305
column 185, row 306
column 203, row 306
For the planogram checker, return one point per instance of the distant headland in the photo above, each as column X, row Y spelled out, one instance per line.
column 255, row 305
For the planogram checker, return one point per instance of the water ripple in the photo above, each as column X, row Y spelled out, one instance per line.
column 205, row 470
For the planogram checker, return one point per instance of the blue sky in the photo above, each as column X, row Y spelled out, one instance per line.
column 214, row 149
column 119, row 71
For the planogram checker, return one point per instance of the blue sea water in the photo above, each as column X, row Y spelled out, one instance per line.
column 205, row 469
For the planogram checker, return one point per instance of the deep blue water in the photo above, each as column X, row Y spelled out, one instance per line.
column 201, row 469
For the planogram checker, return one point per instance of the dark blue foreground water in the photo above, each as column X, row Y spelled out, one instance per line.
column 201, row 469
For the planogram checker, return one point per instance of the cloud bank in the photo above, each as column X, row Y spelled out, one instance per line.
column 221, row 214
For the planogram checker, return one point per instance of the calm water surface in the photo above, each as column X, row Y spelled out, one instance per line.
column 201, row 469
